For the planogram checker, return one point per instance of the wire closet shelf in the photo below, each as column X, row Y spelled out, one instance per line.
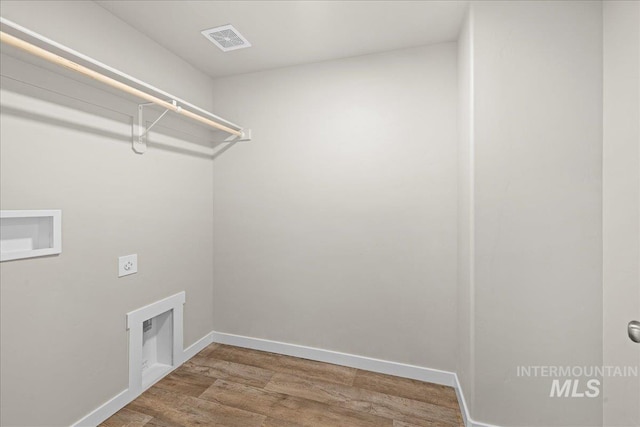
column 99, row 71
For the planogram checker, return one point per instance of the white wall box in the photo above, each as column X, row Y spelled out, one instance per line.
column 30, row 233
column 157, row 344
column 155, row 341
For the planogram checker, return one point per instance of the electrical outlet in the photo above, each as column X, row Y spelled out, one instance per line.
column 127, row 265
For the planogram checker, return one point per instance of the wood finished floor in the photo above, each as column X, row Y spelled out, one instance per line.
column 237, row 387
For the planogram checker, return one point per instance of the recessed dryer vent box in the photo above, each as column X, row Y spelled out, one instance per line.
column 157, row 347
column 28, row 234
column 155, row 341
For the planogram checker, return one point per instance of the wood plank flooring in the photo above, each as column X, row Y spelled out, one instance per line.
column 236, row 387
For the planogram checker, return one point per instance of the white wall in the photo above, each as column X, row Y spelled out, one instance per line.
column 66, row 145
column 537, row 142
column 336, row 227
column 621, row 207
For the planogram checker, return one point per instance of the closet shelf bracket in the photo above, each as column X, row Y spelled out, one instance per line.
column 140, row 130
column 245, row 136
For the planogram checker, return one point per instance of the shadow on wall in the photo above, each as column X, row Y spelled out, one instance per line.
column 173, row 134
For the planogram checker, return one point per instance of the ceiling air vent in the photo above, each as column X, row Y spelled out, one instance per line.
column 226, row 38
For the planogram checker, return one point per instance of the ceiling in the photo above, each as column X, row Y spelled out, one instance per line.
column 285, row 33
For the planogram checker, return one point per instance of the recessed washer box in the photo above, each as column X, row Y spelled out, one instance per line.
column 30, row 233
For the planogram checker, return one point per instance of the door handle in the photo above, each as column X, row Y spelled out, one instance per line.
column 634, row 331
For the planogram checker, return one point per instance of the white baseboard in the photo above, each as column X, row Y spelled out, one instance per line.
column 466, row 416
column 360, row 362
column 463, row 404
column 196, row 347
column 125, row 397
column 104, row 411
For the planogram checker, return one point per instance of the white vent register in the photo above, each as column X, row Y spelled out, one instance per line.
column 226, row 38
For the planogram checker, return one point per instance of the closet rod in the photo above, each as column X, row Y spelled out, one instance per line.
column 112, row 70
column 66, row 63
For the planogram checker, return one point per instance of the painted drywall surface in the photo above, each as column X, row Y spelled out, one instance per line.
column 67, row 146
column 336, row 227
column 464, row 366
column 538, row 202
column 621, row 215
